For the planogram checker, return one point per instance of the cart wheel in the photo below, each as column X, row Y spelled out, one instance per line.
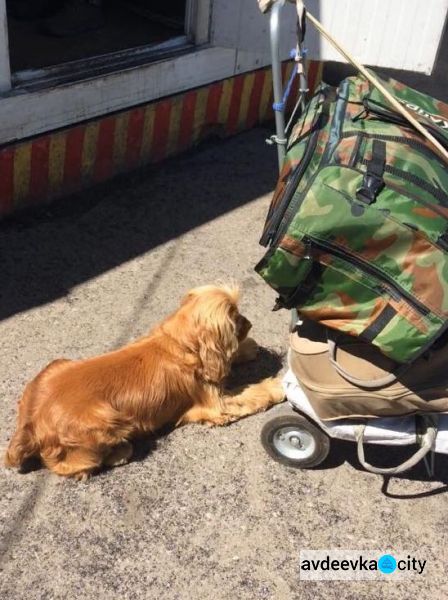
column 293, row 440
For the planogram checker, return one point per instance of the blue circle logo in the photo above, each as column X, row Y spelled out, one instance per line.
column 387, row 564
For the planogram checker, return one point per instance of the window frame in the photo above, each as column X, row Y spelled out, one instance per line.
column 39, row 100
column 5, row 73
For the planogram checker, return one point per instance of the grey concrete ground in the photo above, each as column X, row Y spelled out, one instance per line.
column 201, row 513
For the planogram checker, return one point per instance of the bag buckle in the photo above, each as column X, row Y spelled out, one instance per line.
column 371, row 187
column 373, row 181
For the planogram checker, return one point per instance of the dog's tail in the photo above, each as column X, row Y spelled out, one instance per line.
column 22, row 446
column 24, row 443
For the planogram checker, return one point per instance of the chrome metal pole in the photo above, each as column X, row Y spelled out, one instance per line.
column 277, row 82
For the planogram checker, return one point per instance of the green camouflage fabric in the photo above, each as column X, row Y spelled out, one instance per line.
column 358, row 226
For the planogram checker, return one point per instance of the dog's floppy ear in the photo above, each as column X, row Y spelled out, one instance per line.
column 216, row 349
column 216, row 332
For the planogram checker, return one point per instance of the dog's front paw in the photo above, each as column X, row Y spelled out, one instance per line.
column 119, row 455
column 220, row 420
column 247, row 351
column 82, row 476
column 274, row 387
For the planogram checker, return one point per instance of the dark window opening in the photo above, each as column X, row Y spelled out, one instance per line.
column 45, row 33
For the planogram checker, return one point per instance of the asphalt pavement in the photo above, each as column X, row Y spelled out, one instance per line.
column 199, row 513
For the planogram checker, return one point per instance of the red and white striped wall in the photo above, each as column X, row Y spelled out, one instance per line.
column 58, row 163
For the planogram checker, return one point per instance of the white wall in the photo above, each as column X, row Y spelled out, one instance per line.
column 401, row 34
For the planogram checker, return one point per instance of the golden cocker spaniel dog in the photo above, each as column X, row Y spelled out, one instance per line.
column 77, row 415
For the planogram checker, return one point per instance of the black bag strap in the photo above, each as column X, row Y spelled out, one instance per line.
column 373, row 181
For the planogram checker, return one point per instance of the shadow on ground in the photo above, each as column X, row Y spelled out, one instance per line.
column 47, row 251
column 267, row 364
column 388, row 456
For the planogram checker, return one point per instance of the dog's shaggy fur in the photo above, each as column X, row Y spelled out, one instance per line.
column 79, row 415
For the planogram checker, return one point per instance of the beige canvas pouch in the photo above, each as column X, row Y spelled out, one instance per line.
column 422, row 388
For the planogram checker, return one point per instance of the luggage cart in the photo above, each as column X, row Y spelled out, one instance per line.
column 295, row 436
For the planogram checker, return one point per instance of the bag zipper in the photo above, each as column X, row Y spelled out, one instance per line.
column 390, row 286
column 283, row 210
column 415, row 198
column 406, row 193
column 398, row 140
column 390, row 115
column 427, row 187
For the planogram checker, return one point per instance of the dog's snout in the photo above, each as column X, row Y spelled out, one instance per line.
column 243, row 327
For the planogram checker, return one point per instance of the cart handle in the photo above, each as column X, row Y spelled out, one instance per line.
column 426, row 442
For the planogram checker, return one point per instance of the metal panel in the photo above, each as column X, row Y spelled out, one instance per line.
column 400, row 34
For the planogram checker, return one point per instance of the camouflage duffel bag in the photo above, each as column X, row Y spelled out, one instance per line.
column 358, row 226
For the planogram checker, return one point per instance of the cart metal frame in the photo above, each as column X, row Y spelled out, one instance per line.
column 280, row 139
